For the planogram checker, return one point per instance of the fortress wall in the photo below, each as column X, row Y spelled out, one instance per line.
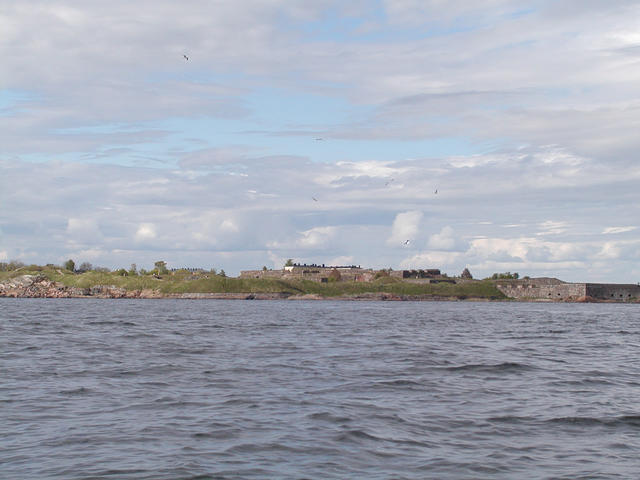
column 261, row 274
column 610, row 291
column 542, row 290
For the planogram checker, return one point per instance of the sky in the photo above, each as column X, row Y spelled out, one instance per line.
column 495, row 136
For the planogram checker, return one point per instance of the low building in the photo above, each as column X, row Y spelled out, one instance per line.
column 421, row 273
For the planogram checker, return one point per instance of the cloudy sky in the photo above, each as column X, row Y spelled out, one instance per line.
column 501, row 137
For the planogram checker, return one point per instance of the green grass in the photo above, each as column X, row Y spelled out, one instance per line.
column 398, row 287
column 184, row 282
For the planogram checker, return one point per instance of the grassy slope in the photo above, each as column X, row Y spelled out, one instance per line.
column 183, row 282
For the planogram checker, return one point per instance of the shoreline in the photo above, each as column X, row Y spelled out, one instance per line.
column 369, row 297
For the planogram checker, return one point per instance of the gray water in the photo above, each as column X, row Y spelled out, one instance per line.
column 170, row 389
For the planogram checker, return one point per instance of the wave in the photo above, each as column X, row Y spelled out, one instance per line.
column 400, row 382
column 75, row 391
column 490, row 368
column 329, row 417
column 617, row 421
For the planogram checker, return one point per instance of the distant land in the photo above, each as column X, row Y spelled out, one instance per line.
column 297, row 281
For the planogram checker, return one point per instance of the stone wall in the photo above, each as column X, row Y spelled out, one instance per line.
column 612, row 291
column 262, row 273
column 542, row 288
column 555, row 290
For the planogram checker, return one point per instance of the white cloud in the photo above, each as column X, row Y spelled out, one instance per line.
column 146, row 232
column 610, row 251
column 503, row 248
column 611, row 230
column 433, row 259
column 228, row 225
column 445, row 240
column 316, row 237
column 551, row 227
column 405, row 227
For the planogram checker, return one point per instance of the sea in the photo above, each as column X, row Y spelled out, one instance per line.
column 217, row 389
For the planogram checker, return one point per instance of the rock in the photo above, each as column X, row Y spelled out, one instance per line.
column 308, row 296
column 79, row 292
column 24, row 281
column 586, row 299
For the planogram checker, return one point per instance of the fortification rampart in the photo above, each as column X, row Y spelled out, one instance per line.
column 556, row 290
column 314, row 273
column 612, row 291
column 542, row 288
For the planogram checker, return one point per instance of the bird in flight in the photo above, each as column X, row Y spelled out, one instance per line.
column 319, row 139
column 185, row 56
column 406, row 242
column 389, row 182
column 314, row 199
column 436, row 192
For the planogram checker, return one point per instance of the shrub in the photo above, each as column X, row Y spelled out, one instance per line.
column 505, row 276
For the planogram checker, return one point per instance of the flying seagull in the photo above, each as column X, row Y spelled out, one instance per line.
column 314, row 199
column 436, row 192
column 406, row 242
column 185, row 56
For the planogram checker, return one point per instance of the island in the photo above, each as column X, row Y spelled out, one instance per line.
column 299, row 282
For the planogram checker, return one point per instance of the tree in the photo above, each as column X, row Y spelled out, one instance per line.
column 133, row 270
column 289, row 262
column 264, row 269
column 161, row 267
column 70, row 265
column 505, row 276
column 222, row 274
column 12, row 265
column 85, row 267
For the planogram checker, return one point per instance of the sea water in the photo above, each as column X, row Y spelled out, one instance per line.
column 178, row 389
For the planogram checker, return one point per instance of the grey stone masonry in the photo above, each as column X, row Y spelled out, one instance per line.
column 557, row 290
